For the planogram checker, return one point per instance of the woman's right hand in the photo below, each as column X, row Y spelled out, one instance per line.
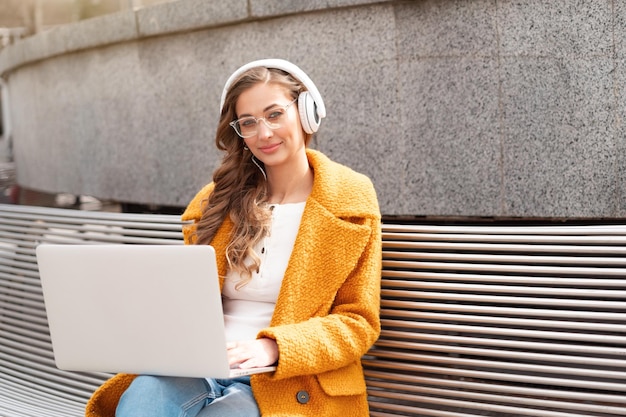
column 252, row 353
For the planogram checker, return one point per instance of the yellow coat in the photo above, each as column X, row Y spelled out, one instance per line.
column 327, row 312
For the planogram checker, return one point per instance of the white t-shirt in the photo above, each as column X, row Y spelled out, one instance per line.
column 249, row 309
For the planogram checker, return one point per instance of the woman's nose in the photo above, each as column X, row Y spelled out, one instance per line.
column 262, row 130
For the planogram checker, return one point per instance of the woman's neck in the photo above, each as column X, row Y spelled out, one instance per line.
column 290, row 184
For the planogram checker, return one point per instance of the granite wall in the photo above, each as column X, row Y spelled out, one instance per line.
column 482, row 108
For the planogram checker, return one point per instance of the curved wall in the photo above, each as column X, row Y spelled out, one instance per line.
column 454, row 108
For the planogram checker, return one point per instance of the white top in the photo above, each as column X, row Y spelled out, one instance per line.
column 249, row 309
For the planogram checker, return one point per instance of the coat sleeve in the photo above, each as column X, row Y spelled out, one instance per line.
column 193, row 212
column 104, row 400
column 338, row 339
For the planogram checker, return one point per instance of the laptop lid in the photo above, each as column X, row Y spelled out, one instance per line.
column 145, row 309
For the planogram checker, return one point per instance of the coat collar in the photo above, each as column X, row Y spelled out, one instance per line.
column 339, row 189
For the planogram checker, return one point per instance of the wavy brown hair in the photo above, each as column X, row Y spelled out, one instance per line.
column 241, row 190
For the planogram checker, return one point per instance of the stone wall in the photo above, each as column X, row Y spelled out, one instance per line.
column 482, row 108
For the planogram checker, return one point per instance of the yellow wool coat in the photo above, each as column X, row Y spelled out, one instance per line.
column 327, row 312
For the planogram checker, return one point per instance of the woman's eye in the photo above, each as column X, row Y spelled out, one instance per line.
column 274, row 114
column 247, row 122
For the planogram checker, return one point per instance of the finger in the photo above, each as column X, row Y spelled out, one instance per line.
column 238, row 355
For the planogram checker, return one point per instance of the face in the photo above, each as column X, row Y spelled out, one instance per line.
column 274, row 147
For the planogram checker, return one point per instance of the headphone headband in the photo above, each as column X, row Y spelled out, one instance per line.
column 287, row 66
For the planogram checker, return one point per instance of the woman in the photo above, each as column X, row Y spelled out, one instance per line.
column 298, row 244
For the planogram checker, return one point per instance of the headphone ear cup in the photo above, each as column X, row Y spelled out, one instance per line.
column 308, row 113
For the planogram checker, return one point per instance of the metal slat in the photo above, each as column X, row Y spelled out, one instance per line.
column 32, row 353
column 497, row 268
column 547, row 238
column 456, row 247
column 510, row 258
column 57, row 388
column 506, row 321
column 506, row 332
column 70, row 383
column 118, row 222
column 592, row 316
column 402, row 410
column 609, row 363
column 37, row 213
column 17, row 404
column 600, row 282
column 17, row 253
column 86, row 230
column 21, row 283
column 36, row 324
column 529, row 345
column 493, row 229
column 91, row 237
column 507, row 289
column 22, row 294
column 18, row 301
column 501, row 299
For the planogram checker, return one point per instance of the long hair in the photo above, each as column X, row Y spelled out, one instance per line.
column 241, row 190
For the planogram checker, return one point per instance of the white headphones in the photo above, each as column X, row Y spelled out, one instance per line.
column 310, row 103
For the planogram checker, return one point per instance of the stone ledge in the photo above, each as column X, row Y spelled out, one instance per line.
column 268, row 8
column 160, row 19
column 103, row 30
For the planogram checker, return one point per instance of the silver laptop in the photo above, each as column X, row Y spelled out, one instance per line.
column 141, row 309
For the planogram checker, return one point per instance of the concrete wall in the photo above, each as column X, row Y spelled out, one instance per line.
column 482, row 108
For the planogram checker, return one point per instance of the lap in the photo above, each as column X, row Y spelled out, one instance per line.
column 156, row 396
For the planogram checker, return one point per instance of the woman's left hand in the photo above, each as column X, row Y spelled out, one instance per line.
column 252, row 353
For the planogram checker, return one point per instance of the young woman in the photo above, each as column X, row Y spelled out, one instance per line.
column 298, row 244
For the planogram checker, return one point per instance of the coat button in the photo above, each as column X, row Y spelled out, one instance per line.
column 303, row 397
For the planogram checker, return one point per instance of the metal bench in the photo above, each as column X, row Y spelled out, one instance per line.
column 477, row 321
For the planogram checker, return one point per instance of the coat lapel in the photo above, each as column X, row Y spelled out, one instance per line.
column 326, row 250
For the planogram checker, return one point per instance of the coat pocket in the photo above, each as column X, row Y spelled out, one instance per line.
column 348, row 380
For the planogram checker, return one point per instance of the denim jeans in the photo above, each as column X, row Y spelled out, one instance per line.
column 158, row 396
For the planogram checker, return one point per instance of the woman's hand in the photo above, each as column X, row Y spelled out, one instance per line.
column 252, row 353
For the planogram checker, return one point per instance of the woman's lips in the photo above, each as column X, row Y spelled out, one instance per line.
column 269, row 148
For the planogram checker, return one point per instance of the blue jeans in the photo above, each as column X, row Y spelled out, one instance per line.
column 159, row 396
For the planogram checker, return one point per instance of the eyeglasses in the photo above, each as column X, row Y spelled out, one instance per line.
column 273, row 118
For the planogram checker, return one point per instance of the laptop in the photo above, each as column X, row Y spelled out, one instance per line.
column 139, row 309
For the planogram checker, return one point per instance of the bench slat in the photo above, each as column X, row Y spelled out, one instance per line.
column 598, row 282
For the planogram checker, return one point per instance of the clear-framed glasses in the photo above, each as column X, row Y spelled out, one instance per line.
column 273, row 118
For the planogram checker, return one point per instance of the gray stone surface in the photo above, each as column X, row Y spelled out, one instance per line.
column 556, row 28
column 452, row 157
column 560, row 138
column 448, row 108
column 504, row 109
column 183, row 16
column 444, row 29
column 559, row 108
column 620, row 97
